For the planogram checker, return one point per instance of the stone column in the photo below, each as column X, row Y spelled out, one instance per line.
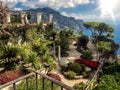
column 8, row 18
column 50, row 18
column 24, row 19
column 39, row 18
column 59, row 55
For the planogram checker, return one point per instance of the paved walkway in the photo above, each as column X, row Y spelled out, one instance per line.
column 73, row 53
column 71, row 82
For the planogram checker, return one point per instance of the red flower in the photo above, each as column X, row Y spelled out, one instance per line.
column 8, row 76
column 89, row 63
column 55, row 76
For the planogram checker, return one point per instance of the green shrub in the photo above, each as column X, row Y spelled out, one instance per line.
column 82, row 41
column 64, row 44
column 49, row 60
column 5, row 38
column 34, row 59
column 10, row 56
column 85, row 74
column 107, row 82
column 70, row 74
column 32, row 85
column 75, row 67
column 87, row 55
column 79, row 86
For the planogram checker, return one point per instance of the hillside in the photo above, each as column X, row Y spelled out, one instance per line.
column 60, row 21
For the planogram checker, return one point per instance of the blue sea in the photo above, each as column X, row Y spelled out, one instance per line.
column 116, row 34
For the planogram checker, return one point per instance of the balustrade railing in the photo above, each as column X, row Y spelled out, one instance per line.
column 36, row 75
column 91, row 82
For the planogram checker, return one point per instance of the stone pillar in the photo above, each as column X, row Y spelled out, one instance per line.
column 39, row 18
column 24, row 19
column 50, row 18
column 54, row 51
column 59, row 55
column 8, row 18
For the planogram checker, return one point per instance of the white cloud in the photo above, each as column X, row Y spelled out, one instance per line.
column 18, row 9
column 12, row 3
column 56, row 4
column 92, row 17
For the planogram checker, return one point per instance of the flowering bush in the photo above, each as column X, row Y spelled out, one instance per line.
column 8, row 76
column 89, row 63
column 55, row 76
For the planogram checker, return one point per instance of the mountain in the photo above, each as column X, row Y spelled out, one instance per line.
column 60, row 21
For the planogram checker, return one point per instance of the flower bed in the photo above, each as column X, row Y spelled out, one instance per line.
column 55, row 76
column 8, row 76
column 89, row 63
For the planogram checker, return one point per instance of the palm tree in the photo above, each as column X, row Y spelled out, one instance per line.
column 10, row 56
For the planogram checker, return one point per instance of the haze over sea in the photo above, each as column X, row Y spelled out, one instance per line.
column 117, row 35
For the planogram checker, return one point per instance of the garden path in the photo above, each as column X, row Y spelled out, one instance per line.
column 73, row 53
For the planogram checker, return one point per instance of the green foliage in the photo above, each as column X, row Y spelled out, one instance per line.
column 31, row 33
column 82, row 41
column 67, row 33
column 70, row 74
column 32, row 85
column 103, row 48
column 86, row 54
column 10, row 56
column 79, row 86
column 99, row 28
column 34, row 59
column 47, row 58
column 65, row 36
column 102, row 32
column 111, row 69
column 107, row 82
column 5, row 38
column 16, row 18
column 38, row 42
column 85, row 74
column 64, row 44
column 75, row 67
column 50, row 61
column 111, row 77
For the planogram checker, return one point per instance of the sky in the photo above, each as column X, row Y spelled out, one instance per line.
column 87, row 10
